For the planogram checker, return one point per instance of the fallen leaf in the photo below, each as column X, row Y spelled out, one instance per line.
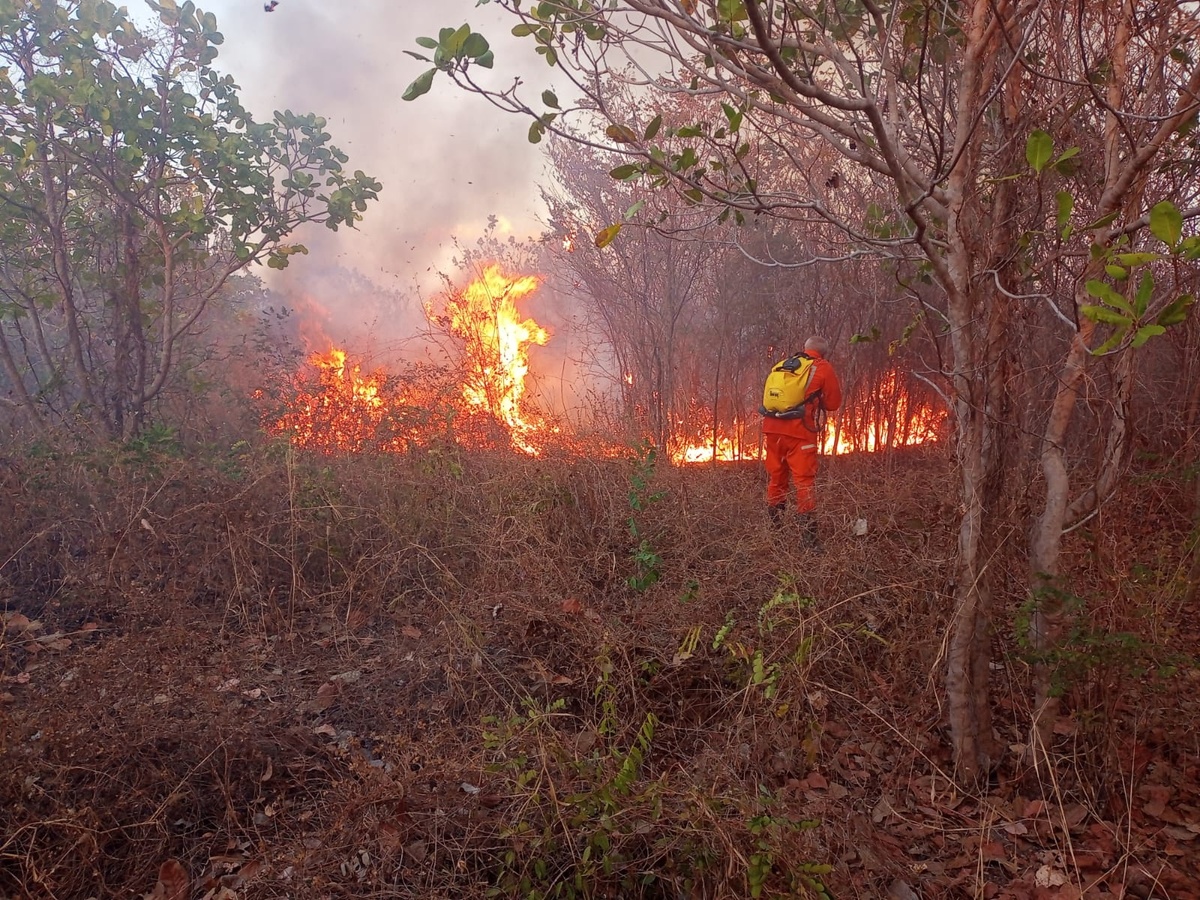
column 173, row 882
column 1050, row 877
column 469, row 788
column 817, row 781
column 326, row 694
column 327, row 730
column 410, row 632
column 18, row 622
column 1016, row 828
column 572, row 606
column 268, row 772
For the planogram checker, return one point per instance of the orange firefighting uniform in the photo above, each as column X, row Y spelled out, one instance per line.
column 792, row 444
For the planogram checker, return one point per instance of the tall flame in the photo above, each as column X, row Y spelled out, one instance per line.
column 496, row 340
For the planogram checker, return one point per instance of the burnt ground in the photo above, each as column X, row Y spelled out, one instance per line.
column 431, row 677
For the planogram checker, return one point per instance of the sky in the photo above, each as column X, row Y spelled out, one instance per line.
column 447, row 160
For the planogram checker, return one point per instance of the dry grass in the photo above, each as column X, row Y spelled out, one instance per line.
column 429, row 677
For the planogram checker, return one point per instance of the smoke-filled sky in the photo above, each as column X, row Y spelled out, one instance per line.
column 447, row 160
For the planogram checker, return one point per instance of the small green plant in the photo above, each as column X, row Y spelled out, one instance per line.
column 753, row 667
column 691, row 591
column 1084, row 647
column 157, row 439
column 804, row 879
column 647, row 563
column 574, row 841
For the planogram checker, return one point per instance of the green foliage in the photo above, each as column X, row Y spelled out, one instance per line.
column 579, row 840
column 805, row 879
column 591, row 819
column 1127, row 310
column 647, row 563
column 1085, row 648
column 453, row 49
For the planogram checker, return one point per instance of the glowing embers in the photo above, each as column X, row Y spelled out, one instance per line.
column 495, row 340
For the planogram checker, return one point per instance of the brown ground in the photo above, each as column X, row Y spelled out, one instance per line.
column 429, row 677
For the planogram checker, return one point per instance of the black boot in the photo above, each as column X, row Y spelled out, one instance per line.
column 809, row 536
column 776, row 511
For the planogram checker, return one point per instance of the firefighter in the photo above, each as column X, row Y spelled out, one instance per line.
column 793, row 443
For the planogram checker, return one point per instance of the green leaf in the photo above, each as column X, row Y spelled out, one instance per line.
column 1117, row 337
column 733, row 115
column 606, row 237
column 486, row 61
column 475, row 46
column 453, row 44
column 1066, row 205
column 1166, row 223
column 420, row 86
column 1105, row 315
column 428, row 43
column 549, row 98
column 1103, row 291
column 524, row 30
column 635, row 209
column 652, row 128
column 1144, row 334
column 1116, row 271
column 1176, row 312
column 1130, row 260
column 536, row 130
column 626, row 171
column 1038, row 149
column 1145, row 290
column 732, row 10
column 1101, row 222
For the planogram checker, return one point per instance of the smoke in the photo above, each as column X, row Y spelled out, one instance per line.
column 447, row 160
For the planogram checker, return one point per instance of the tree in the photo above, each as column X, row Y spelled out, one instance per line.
column 1017, row 151
column 133, row 185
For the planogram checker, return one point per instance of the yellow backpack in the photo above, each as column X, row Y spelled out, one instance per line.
column 784, row 394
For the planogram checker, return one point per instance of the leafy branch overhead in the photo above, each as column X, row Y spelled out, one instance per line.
column 1128, row 311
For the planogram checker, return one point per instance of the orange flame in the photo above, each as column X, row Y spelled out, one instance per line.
column 335, row 407
column 885, row 417
column 495, row 344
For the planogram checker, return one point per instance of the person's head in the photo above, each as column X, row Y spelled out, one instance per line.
column 818, row 343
